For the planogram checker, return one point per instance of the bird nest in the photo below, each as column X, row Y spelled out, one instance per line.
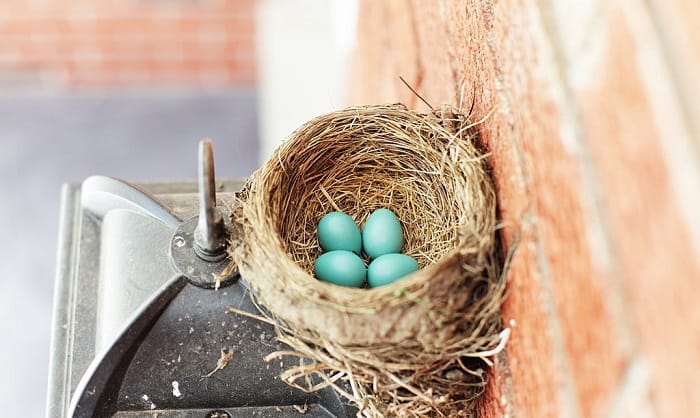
column 419, row 346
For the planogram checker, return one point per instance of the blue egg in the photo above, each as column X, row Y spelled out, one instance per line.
column 389, row 268
column 338, row 231
column 343, row 268
column 382, row 234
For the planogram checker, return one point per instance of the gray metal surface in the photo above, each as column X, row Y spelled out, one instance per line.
column 131, row 268
column 47, row 140
column 100, row 195
column 86, row 397
column 76, row 340
column 147, row 342
column 310, row 411
column 200, row 269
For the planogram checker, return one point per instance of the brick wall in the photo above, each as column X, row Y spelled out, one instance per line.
column 118, row 43
column 597, row 163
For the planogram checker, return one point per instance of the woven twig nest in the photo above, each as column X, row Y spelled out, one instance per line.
column 416, row 347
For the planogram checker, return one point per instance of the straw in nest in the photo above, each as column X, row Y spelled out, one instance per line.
column 417, row 347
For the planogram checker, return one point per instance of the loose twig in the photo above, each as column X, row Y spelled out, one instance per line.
column 226, row 356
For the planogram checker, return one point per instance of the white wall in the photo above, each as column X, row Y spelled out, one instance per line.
column 303, row 49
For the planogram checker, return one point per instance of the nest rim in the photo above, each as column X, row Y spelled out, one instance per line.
column 451, row 127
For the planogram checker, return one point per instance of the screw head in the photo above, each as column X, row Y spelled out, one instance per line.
column 178, row 241
column 218, row 414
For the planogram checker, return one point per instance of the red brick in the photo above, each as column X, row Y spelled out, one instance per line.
column 128, row 31
column 374, row 71
column 529, row 352
column 497, row 398
column 239, row 48
column 121, row 50
column 435, row 76
column 677, row 22
column 589, row 330
column 564, row 357
column 483, row 40
column 650, row 237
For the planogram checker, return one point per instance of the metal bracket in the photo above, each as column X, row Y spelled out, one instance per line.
column 199, row 271
column 198, row 247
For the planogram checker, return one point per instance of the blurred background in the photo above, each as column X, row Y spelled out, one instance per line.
column 591, row 112
column 126, row 88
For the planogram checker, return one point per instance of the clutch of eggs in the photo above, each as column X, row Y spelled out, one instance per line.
column 381, row 240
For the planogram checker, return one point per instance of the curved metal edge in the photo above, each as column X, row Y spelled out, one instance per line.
column 58, row 383
column 85, row 400
column 101, row 194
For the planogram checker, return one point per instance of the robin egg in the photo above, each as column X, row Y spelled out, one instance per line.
column 382, row 234
column 343, row 268
column 338, row 231
column 389, row 268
